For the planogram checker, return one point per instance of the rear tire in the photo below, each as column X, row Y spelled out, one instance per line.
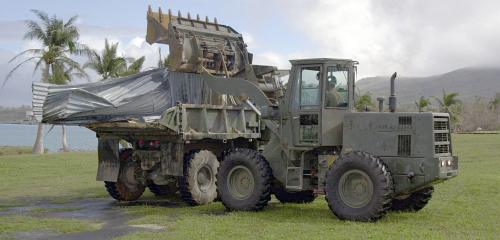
column 125, row 188
column 415, row 202
column 244, row 180
column 198, row 184
column 359, row 187
column 285, row 196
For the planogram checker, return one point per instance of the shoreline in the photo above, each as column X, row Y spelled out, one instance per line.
column 19, row 123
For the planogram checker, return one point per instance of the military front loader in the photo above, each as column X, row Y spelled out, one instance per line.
column 214, row 125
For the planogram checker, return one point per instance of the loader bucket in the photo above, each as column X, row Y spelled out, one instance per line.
column 197, row 45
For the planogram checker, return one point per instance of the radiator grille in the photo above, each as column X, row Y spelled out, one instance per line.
column 405, row 122
column 440, row 125
column 404, row 145
column 441, row 148
column 441, row 137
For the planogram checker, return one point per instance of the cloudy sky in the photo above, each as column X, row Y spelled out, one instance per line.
column 414, row 37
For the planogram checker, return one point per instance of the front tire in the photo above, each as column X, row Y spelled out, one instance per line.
column 415, row 202
column 244, row 180
column 359, row 187
column 197, row 185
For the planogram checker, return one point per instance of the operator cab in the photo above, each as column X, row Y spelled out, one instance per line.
column 320, row 92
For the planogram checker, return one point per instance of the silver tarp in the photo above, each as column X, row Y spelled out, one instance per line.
column 143, row 96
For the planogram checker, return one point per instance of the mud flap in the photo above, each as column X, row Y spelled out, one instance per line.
column 109, row 161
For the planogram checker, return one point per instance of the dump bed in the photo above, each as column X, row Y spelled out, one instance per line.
column 189, row 122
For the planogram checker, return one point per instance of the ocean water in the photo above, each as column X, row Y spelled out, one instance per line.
column 79, row 138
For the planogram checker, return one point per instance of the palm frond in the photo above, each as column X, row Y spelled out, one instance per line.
column 33, row 51
column 37, row 65
column 82, row 50
column 72, row 66
column 137, row 64
column 438, row 100
column 70, row 21
column 35, row 32
column 14, row 69
column 42, row 15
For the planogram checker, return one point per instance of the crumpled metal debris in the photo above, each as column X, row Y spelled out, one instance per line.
column 143, row 96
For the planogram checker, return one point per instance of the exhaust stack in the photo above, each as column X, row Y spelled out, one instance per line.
column 392, row 97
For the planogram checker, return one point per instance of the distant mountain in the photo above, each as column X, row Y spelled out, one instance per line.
column 468, row 82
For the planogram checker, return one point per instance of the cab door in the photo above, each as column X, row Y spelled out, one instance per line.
column 336, row 103
column 306, row 114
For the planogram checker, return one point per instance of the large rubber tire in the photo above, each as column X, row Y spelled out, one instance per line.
column 244, row 180
column 198, row 183
column 414, row 202
column 285, row 196
column 121, row 190
column 359, row 187
column 163, row 190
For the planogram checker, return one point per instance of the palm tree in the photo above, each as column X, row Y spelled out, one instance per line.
column 422, row 103
column 109, row 65
column 448, row 101
column 60, row 40
column 450, row 104
column 134, row 67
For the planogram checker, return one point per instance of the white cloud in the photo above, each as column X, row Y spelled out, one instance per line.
column 138, row 47
column 413, row 37
column 97, row 42
column 249, row 39
column 282, row 61
column 270, row 58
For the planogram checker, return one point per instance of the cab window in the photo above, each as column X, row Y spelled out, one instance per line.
column 309, row 86
column 336, row 90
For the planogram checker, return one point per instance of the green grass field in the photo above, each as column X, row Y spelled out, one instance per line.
column 466, row 207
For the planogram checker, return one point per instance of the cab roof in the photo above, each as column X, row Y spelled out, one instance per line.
column 322, row 60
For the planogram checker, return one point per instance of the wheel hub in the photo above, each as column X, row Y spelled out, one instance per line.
column 355, row 188
column 240, row 182
column 204, row 178
column 129, row 177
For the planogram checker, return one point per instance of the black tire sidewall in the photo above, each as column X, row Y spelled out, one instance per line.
column 261, row 185
column 190, row 191
column 358, row 162
column 415, row 202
